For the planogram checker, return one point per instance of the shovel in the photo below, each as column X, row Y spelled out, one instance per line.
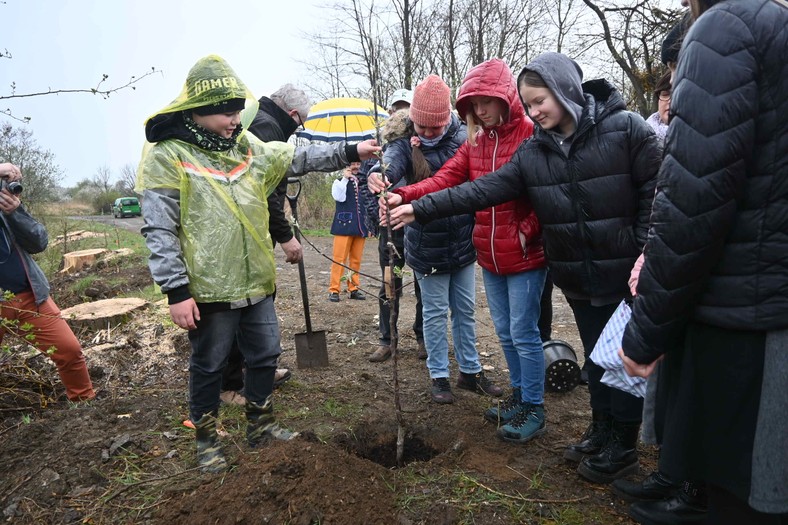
column 311, row 349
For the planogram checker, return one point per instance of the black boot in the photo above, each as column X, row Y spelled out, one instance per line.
column 688, row 506
column 619, row 458
column 262, row 425
column 209, row 452
column 593, row 440
column 655, row 486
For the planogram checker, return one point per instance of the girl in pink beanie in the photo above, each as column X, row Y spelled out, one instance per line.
column 440, row 253
column 508, row 240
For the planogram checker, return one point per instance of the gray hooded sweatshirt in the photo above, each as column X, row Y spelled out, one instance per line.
column 564, row 79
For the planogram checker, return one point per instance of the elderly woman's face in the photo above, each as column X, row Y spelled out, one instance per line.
column 663, row 105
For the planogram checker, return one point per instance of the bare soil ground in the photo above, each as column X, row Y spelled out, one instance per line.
column 127, row 458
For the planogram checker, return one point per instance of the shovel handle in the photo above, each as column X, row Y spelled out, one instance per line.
column 293, row 200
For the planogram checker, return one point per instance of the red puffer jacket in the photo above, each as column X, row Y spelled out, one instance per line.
column 507, row 237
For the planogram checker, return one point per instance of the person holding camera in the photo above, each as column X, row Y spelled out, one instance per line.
column 25, row 300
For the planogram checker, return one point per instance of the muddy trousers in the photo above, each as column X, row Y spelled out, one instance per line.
column 50, row 331
column 348, row 250
column 257, row 331
column 591, row 320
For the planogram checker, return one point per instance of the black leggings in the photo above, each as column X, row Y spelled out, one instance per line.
column 591, row 320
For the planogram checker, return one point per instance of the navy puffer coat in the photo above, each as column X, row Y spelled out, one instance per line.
column 443, row 245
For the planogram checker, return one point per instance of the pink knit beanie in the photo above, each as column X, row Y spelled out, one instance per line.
column 431, row 106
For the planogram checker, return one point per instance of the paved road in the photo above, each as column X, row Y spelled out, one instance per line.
column 132, row 224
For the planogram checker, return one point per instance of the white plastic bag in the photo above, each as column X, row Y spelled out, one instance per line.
column 605, row 354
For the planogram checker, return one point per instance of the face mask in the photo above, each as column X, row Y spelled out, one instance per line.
column 433, row 141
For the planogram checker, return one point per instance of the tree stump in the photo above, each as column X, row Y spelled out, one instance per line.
column 75, row 261
column 99, row 314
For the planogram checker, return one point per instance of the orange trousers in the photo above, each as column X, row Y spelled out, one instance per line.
column 348, row 250
column 50, row 331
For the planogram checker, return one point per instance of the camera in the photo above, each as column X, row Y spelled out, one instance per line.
column 14, row 186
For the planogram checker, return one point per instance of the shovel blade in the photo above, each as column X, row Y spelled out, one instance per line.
column 311, row 349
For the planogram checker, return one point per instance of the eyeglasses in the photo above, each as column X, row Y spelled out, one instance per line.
column 664, row 96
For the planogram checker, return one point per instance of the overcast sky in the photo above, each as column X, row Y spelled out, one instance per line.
column 69, row 44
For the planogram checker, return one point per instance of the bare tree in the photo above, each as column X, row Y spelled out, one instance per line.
column 564, row 17
column 105, row 192
column 127, row 180
column 99, row 89
column 633, row 33
column 39, row 171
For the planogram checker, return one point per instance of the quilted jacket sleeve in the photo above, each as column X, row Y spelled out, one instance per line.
column 701, row 181
column 504, row 184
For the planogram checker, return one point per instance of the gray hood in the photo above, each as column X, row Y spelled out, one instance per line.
column 564, row 78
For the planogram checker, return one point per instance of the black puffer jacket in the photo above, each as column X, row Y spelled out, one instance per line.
column 719, row 237
column 593, row 204
column 444, row 245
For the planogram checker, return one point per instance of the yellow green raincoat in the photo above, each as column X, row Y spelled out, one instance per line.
column 206, row 212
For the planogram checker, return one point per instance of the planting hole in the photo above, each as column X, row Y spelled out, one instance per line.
column 381, row 446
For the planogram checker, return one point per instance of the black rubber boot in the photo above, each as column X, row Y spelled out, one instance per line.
column 593, row 440
column 209, row 453
column 619, row 458
column 262, row 425
column 687, row 507
column 654, row 487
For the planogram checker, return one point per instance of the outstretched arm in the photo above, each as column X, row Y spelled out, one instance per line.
column 454, row 172
column 502, row 185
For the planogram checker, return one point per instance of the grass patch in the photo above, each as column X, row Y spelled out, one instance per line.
column 419, row 490
column 83, row 284
column 150, row 293
column 321, row 232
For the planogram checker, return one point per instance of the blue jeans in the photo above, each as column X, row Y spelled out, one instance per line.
column 514, row 302
column 257, row 330
column 439, row 292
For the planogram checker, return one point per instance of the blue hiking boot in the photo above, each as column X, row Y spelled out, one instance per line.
column 527, row 424
column 505, row 410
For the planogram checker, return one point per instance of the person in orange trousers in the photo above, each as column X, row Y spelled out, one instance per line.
column 350, row 233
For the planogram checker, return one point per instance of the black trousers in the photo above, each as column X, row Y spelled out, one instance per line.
column 591, row 320
column 546, row 310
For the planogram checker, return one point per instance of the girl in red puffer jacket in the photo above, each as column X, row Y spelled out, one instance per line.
column 507, row 239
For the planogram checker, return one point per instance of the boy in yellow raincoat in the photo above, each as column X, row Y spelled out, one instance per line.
column 205, row 184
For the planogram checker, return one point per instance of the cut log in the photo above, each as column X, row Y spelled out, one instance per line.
column 74, row 236
column 100, row 314
column 113, row 255
column 75, row 261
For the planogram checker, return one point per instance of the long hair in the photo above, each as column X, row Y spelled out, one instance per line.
column 421, row 168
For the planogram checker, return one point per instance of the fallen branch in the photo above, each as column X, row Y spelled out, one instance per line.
column 522, row 498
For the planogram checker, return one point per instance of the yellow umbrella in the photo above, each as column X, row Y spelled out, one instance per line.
column 349, row 119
